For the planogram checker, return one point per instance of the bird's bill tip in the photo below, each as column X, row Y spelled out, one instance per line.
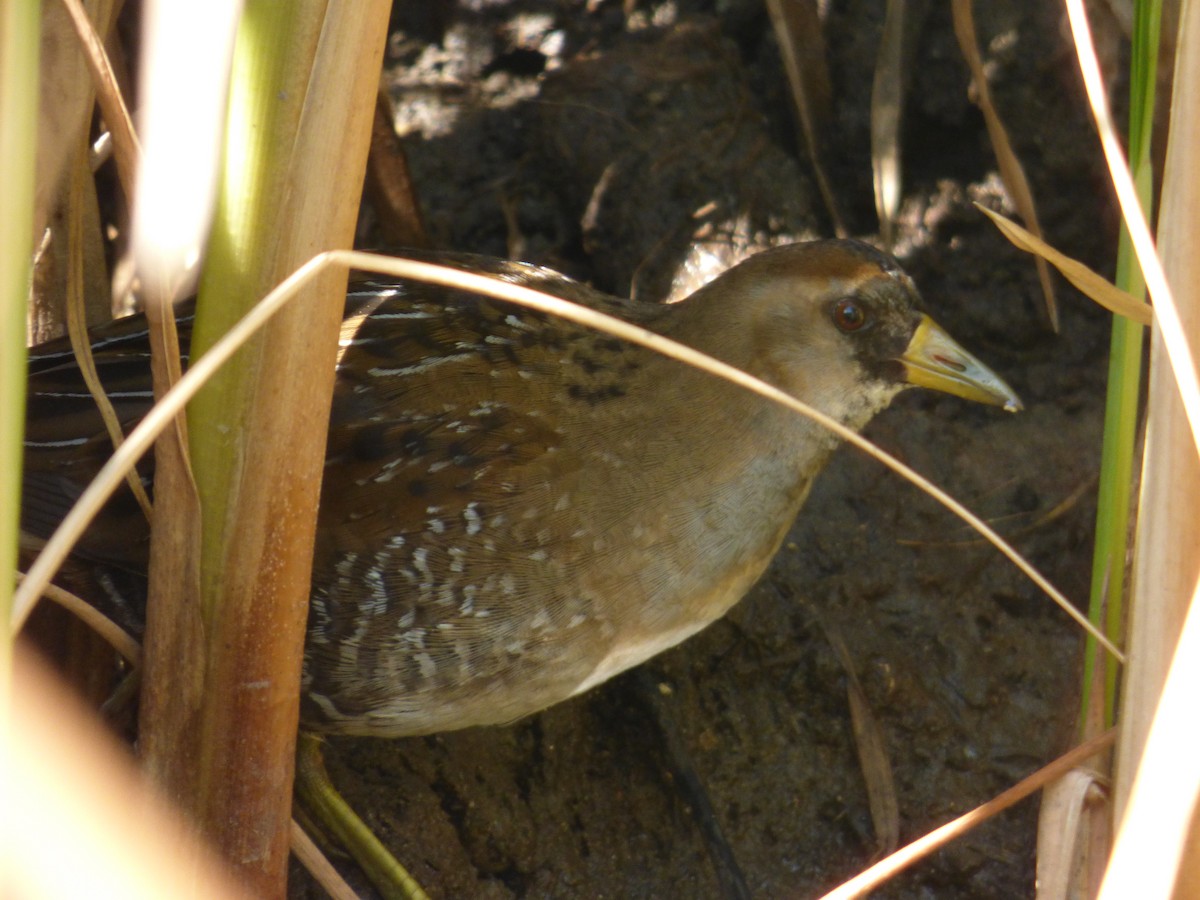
column 935, row 360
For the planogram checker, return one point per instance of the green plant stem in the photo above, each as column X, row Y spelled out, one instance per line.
column 322, row 799
column 1107, row 600
column 220, row 730
column 19, row 47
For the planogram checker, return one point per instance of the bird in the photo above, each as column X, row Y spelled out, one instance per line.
column 515, row 508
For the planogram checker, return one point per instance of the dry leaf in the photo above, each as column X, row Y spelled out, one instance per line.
column 1073, row 808
column 1093, row 285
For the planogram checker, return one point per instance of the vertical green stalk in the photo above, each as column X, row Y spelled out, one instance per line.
column 1106, row 607
column 19, row 46
column 253, row 574
column 219, row 729
column 265, row 98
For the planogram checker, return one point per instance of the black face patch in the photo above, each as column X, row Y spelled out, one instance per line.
column 891, row 319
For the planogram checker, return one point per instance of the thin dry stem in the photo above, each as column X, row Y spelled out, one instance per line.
column 871, row 878
column 108, row 96
column 114, row 635
column 319, row 866
column 140, row 439
column 77, row 327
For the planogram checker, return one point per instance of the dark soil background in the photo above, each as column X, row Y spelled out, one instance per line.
column 620, row 145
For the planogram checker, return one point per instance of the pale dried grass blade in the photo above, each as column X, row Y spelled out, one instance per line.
column 887, row 111
column 77, row 325
column 183, row 125
column 318, row 866
column 108, row 95
column 871, row 878
column 1174, row 335
column 1011, row 170
column 1073, row 808
column 66, row 102
column 1095, row 286
column 797, row 27
column 1157, row 783
column 1152, row 838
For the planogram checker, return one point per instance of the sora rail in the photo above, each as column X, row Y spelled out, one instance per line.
column 515, row 508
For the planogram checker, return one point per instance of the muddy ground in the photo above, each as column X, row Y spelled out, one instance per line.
column 606, row 144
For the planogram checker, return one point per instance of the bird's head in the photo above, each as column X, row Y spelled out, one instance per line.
column 838, row 324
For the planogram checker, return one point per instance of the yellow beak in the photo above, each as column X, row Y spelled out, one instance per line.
column 934, row 360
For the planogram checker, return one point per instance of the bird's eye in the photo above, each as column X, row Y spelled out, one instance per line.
column 849, row 314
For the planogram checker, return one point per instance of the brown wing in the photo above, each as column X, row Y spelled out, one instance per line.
column 66, row 442
column 447, row 458
column 457, row 434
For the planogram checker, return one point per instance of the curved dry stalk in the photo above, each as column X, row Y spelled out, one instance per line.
column 127, row 152
column 77, row 330
column 126, row 148
column 874, row 876
column 435, row 274
column 163, row 412
column 112, row 633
